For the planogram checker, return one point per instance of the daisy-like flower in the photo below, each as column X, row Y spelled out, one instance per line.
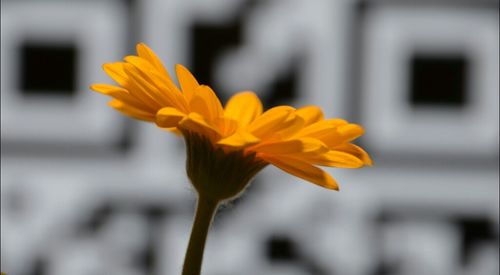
column 228, row 145
column 294, row 140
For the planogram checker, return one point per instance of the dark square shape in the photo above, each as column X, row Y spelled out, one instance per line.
column 438, row 80
column 281, row 249
column 48, row 69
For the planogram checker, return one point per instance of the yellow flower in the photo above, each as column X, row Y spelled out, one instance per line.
column 294, row 140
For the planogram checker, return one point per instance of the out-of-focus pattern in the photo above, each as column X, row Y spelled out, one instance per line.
column 87, row 191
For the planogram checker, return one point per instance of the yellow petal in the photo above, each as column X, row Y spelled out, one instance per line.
column 169, row 117
column 310, row 114
column 138, row 72
column 355, row 151
column 270, row 121
column 163, row 89
column 303, row 170
column 350, row 131
column 243, row 107
column 335, row 158
column 146, row 69
column 118, row 93
column 321, row 128
column 340, row 135
column 186, row 80
column 154, row 73
column 226, row 126
column 196, row 123
column 206, row 103
column 295, row 146
column 174, row 130
column 160, row 74
column 112, row 91
column 145, row 52
column 140, row 89
column 239, row 139
column 107, row 89
column 131, row 111
column 290, row 126
column 117, row 73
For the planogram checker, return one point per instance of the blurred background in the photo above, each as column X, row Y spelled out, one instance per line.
column 85, row 190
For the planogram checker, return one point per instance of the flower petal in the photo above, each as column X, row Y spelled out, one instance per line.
column 321, row 128
column 152, row 73
column 243, row 107
column 350, row 131
column 340, row 135
column 137, row 69
column 196, row 123
column 163, row 89
column 295, row 146
column 226, row 126
column 120, row 94
column 270, row 121
column 107, row 89
column 131, row 111
column 239, row 139
column 145, row 52
column 310, row 114
column 355, row 151
column 186, row 80
column 290, row 126
column 335, row 158
column 117, row 73
column 140, row 89
column 169, row 117
column 303, row 170
column 174, row 130
column 206, row 103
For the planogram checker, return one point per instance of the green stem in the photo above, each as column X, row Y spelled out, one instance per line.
column 205, row 210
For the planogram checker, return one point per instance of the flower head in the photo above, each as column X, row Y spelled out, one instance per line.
column 238, row 137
